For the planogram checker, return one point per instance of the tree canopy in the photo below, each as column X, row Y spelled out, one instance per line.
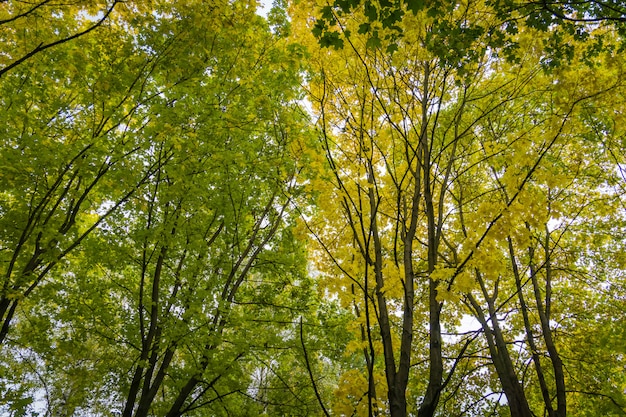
column 358, row 208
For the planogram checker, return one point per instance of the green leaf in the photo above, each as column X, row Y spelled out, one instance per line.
column 391, row 48
column 374, row 41
column 393, row 17
column 331, row 39
column 327, row 14
column 319, row 28
column 370, row 11
column 415, row 6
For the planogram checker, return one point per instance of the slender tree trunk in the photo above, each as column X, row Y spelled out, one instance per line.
column 149, row 352
column 396, row 390
column 152, row 386
column 501, row 359
column 183, row 394
column 369, row 355
column 514, row 391
column 530, row 338
column 7, row 310
column 544, row 318
column 435, row 376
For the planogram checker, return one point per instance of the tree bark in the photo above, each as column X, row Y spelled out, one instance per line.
column 545, row 393
column 435, row 376
column 501, row 359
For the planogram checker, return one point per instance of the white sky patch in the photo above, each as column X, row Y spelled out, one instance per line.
column 468, row 324
column 264, row 7
column 554, row 224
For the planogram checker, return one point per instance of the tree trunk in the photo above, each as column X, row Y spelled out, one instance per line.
column 544, row 318
column 501, row 359
column 435, row 376
column 530, row 338
column 396, row 387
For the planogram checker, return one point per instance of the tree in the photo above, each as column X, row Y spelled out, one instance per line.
column 560, row 187
column 402, row 122
column 393, row 126
column 206, row 212
column 68, row 141
column 561, row 18
column 146, row 209
column 29, row 28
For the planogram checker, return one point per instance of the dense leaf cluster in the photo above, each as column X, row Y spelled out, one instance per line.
column 394, row 207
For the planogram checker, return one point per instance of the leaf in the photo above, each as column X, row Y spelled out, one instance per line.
column 364, row 28
column 331, row 39
column 391, row 48
column 374, row 41
column 415, row 6
column 328, row 15
column 370, row 11
column 392, row 18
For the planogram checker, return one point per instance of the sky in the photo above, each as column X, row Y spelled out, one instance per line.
column 264, row 7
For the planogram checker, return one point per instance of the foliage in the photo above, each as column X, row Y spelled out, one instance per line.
column 206, row 212
column 472, row 156
column 385, row 20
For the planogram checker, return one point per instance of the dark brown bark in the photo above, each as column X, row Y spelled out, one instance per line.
column 368, row 352
column 6, row 316
column 501, row 359
column 183, row 394
column 396, row 390
column 530, row 338
column 435, row 376
column 544, row 318
column 142, row 377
